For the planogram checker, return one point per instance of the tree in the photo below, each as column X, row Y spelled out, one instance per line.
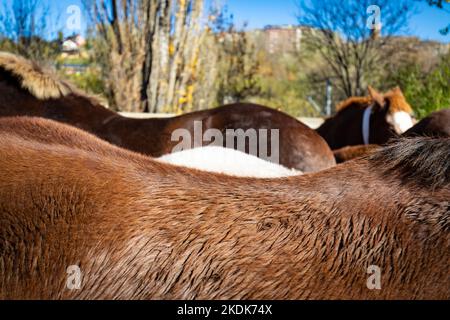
column 149, row 51
column 350, row 40
column 239, row 64
column 426, row 91
column 24, row 29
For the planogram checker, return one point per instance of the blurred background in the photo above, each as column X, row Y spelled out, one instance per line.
column 298, row 56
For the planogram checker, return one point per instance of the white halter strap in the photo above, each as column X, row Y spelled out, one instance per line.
column 366, row 125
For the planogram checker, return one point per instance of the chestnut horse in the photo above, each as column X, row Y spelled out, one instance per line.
column 92, row 221
column 368, row 120
column 437, row 124
column 210, row 158
column 26, row 89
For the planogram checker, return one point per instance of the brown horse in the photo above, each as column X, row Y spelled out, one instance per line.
column 351, row 152
column 92, row 221
column 436, row 124
column 368, row 120
column 220, row 159
column 26, row 89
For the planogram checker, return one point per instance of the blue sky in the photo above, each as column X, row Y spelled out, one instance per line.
column 258, row 13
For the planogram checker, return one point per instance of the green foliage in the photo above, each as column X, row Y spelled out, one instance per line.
column 284, row 85
column 76, row 59
column 238, row 77
column 285, row 95
column 89, row 81
column 426, row 92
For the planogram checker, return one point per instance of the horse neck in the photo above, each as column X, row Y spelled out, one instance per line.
column 145, row 136
column 343, row 129
column 380, row 130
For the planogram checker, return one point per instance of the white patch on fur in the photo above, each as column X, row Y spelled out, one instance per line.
column 402, row 121
column 227, row 161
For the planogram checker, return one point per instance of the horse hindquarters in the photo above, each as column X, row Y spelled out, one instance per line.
column 305, row 150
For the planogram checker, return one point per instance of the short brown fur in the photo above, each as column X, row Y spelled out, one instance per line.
column 437, row 124
column 140, row 229
column 352, row 152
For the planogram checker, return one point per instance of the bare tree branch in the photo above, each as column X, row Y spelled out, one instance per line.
column 344, row 40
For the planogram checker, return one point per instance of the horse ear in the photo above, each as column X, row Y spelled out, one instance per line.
column 397, row 91
column 376, row 96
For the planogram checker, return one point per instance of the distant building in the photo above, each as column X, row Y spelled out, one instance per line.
column 73, row 44
column 73, row 51
column 282, row 39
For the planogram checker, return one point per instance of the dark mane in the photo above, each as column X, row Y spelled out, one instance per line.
column 423, row 161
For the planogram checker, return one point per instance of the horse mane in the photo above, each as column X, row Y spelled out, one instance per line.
column 352, row 101
column 397, row 102
column 423, row 161
column 40, row 82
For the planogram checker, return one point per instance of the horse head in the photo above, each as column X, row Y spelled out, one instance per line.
column 391, row 111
